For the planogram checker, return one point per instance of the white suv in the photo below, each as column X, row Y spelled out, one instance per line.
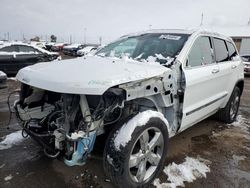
column 139, row 91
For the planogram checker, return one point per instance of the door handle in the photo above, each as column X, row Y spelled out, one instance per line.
column 215, row 71
column 234, row 66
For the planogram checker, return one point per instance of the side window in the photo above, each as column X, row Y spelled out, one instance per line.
column 201, row 52
column 220, row 50
column 27, row 49
column 231, row 50
column 9, row 49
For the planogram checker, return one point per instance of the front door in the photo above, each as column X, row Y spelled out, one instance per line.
column 203, row 91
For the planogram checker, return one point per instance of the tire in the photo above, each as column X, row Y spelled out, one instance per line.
column 118, row 163
column 229, row 113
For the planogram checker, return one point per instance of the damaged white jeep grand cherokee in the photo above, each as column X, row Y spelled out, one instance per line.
column 139, row 90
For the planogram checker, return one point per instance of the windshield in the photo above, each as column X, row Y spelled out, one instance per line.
column 159, row 47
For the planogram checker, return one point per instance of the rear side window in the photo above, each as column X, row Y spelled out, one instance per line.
column 220, row 50
column 201, row 52
column 23, row 48
column 9, row 49
column 231, row 50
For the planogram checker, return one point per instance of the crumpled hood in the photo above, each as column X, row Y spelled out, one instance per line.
column 88, row 75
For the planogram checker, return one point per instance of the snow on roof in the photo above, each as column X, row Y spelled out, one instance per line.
column 59, row 44
column 5, row 44
column 73, row 45
column 190, row 31
column 180, row 31
column 50, row 43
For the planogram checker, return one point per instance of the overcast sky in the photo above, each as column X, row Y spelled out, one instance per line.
column 113, row 18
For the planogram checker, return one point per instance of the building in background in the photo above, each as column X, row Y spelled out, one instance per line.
column 240, row 35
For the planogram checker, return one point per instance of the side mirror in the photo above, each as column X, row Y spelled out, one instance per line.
column 14, row 55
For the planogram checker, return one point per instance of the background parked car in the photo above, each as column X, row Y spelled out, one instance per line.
column 72, row 49
column 3, row 80
column 58, row 47
column 14, row 56
column 246, row 61
column 38, row 44
column 86, row 50
column 49, row 45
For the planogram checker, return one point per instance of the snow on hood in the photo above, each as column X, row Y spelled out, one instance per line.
column 89, row 75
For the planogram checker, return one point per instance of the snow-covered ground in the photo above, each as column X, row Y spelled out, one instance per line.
column 241, row 123
column 11, row 139
column 8, row 178
column 188, row 171
column 12, row 78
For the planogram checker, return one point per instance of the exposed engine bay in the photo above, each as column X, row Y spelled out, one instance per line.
column 67, row 124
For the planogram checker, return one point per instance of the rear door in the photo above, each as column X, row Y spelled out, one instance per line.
column 203, row 92
column 226, row 57
column 7, row 59
column 26, row 56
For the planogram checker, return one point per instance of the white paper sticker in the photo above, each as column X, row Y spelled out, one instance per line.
column 170, row 37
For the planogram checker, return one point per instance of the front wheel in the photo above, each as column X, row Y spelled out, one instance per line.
column 135, row 153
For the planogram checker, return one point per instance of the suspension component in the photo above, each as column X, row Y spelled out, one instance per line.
column 82, row 147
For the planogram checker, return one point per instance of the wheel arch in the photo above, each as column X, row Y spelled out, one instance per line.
column 240, row 85
column 122, row 139
column 147, row 102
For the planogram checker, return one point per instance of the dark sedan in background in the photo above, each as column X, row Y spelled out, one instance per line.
column 72, row 49
column 14, row 56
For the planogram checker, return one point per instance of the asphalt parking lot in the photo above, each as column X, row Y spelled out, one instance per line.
column 225, row 147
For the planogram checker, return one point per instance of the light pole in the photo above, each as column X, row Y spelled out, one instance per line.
column 85, row 35
column 100, row 40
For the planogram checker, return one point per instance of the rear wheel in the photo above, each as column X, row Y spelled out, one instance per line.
column 229, row 113
column 137, row 162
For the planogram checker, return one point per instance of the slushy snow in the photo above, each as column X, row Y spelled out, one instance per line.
column 241, row 123
column 11, row 139
column 123, row 135
column 8, row 178
column 188, row 171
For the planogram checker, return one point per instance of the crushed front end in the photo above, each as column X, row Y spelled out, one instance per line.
column 67, row 124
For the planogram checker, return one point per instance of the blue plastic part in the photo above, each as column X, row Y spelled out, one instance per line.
column 80, row 155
